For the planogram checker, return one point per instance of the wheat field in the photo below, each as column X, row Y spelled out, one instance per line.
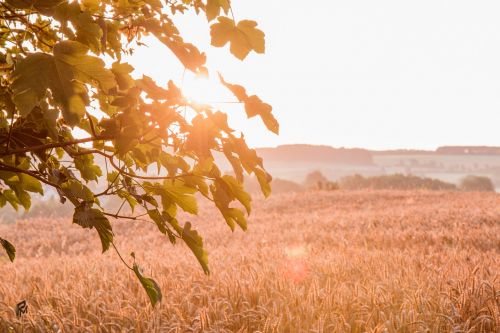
column 368, row 261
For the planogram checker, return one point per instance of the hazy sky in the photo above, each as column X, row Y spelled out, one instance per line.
column 376, row 74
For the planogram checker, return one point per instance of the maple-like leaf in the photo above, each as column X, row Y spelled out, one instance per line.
column 213, row 8
column 243, row 37
column 254, row 106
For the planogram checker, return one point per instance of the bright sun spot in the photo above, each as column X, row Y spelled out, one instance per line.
column 204, row 90
column 196, row 89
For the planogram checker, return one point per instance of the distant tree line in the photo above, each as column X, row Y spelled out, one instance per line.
column 394, row 182
column 318, row 181
column 315, row 180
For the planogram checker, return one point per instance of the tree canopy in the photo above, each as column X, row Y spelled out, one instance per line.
column 150, row 146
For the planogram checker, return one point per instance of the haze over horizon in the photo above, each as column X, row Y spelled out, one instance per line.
column 385, row 75
column 374, row 149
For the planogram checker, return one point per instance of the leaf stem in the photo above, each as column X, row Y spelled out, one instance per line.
column 121, row 258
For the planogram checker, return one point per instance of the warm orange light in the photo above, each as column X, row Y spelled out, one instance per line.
column 204, row 90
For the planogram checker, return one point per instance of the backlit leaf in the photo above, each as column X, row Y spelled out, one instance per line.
column 181, row 195
column 65, row 73
column 264, row 181
column 243, row 37
column 195, row 243
column 213, row 8
column 254, row 106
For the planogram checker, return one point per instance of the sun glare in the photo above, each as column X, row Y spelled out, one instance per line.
column 204, row 90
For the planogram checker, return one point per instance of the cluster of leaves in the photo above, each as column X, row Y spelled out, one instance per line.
column 150, row 147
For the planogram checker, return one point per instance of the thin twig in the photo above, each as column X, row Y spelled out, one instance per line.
column 10, row 132
column 121, row 258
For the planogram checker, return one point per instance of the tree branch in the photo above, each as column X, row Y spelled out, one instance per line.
column 55, row 145
column 5, row 167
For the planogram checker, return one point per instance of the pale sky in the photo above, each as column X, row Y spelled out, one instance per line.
column 359, row 73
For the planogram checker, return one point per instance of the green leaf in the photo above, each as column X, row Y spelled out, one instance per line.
column 31, row 78
column 85, row 68
column 155, row 215
column 181, row 195
column 65, row 73
column 24, row 198
column 73, row 188
column 152, row 288
column 11, row 198
column 131, row 200
column 236, row 189
column 149, row 199
column 9, row 248
column 161, row 220
column 88, row 32
column 88, row 170
column 30, row 184
column 195, row 243
column 94, row 218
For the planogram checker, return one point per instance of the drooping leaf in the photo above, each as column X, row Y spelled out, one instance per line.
column 24, row 199
column 9, row 248
column 254, row 106
column 155, row 215
column 152, row 288
column 181, row 195
column 264, row 180
column 232, row 215
column 11, row 198
column 195, row 243
column 30, row 184
column 236, row 189
column 94, row 218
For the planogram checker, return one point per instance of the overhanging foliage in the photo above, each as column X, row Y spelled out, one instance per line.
column 51, row 73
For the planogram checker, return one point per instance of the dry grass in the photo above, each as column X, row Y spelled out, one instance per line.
column 311, row 262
